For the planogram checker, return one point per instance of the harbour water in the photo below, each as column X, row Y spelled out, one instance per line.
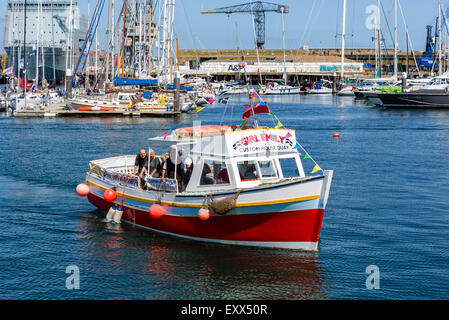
column 387, row 207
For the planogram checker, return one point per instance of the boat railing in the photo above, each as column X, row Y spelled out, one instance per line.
column 157, row 184
column 126, row 178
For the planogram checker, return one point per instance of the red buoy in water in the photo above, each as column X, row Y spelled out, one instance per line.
column 110, row 195
column 82, row 189
column 336, row 135
column 156, row 211
column 204, row 214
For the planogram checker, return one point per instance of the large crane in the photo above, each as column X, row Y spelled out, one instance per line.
column 257, row 9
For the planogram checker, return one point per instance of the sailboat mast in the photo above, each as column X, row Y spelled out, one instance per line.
column 36, row 48
column 24, row 53
column 13, row 43
column 53, row 41
column 283, row 44
column 343, row 35
column 108, row 32
column 440, row 62
column 378, row 43
column 112, row 42
column 140, row 38
column 42, row 47
column 395, row 39
column 149, row 41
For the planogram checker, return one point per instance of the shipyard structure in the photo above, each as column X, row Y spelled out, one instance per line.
column 55, row 31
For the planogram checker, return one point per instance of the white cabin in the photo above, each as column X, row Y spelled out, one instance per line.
column 227, row 157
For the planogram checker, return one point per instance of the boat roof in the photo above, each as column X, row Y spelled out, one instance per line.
column 231, row 141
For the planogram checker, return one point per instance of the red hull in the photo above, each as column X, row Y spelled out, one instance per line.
column 292, row 226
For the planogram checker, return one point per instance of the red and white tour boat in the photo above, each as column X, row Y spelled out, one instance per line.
column 247, row 187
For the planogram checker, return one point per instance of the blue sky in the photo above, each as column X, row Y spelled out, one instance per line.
column 309, row 22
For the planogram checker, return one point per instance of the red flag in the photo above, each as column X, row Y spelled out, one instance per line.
column 257, row 108
column 29, row 83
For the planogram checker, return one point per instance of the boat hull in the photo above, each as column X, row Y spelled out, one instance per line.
column 298, row 229
column 414, row 100
column 293, row 223
column 281, row 92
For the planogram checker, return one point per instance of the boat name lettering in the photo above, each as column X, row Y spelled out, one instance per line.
column 263, row 137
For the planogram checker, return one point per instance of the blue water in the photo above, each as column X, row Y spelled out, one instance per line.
column 388, row 207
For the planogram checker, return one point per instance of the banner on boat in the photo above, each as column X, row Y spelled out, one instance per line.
column 169, row 185
column 126, row 180
column 270, row 140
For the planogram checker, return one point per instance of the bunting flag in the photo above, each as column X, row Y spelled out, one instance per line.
column 279, row 125
column 165, row 135
column 297, row 146
column 254, row 95
column 316, row 168
column 257, row 108
column 253, row 98
column 306, row 157
column 8, row 71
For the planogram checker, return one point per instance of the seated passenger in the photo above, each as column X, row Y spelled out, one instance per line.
column 207, row 176
column 222, row 177
column 248, row 171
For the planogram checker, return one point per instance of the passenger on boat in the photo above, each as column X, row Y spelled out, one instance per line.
column 155, row 165
column 187, row 164
column 207, row 175
column 140, row 166
column 174, row 163
column 222, row 177
column 248, row 171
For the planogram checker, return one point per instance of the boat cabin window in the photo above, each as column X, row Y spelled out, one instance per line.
column 289, row 167
column 214, row 172
column 267, row 169
column 247, row 170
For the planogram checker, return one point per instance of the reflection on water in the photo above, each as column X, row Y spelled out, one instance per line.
column 167, row 267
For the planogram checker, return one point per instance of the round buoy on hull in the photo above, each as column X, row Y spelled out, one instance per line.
column 156, row 211
column 110, row 195
column 204, row 214
column 82, row 189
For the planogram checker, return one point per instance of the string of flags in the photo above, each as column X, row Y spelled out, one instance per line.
column 279, row 125
column 186, row 118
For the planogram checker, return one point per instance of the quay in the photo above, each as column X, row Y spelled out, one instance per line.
column 58, row 110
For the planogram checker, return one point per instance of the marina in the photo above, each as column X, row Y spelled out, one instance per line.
column 160, row 167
